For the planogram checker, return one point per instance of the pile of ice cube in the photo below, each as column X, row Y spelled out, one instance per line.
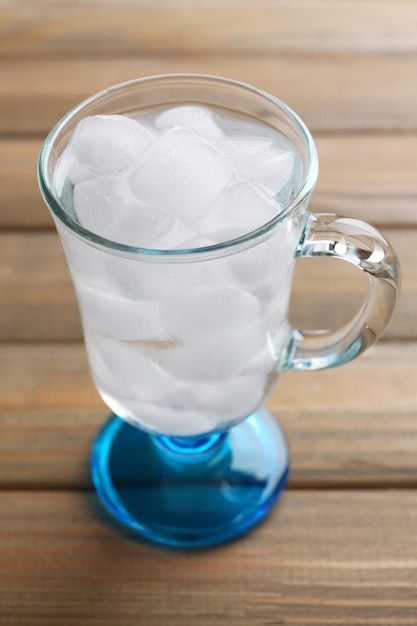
column 168, row 180
column 180, row 348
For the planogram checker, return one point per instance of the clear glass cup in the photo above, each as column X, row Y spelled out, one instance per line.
column 190, row 457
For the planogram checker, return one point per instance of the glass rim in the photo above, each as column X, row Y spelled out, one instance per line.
column 91, row 238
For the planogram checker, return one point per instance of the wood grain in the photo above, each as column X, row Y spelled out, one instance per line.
column 328, row 555
column 369, row 176
column 92, row 28
column 336, row 558
column 21, row 205
column 37, row 292
column 38, row 299
column 331, row 93
column 352, row 426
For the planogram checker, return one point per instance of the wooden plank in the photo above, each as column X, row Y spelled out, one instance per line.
column 21, row 204
column 36, row 289
column 42, row 27
column 46, row 377
column 352, row 426
column 336, row 558
column 49, row 448
column 38, row 300
column 367, row 176
column 371, row 177
column 330, row 93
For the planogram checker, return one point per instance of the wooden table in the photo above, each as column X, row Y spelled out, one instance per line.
column 341, row 546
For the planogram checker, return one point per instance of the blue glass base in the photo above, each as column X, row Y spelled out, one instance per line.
column 190, row 492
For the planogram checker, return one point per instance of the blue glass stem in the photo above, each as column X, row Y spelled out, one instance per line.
column 190, row 492
column 191, row 446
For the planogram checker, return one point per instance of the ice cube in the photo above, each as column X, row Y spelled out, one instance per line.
column 268, row 265
column 147, row 280
column 265, row 263
column 196, row 362
column 211, row 358
column 183, row 174
column 136, row 279
column 107, row 207
column 195, row 118
column 110, row 144
column 161, row 419
column 274, row 296
column 242, row 208
column 250, row 205
column 128, row 278
column 115, row 276
column 126, row 369
column 208, row 311
column 69, row 169
column 98, row 203
column 177, row 238
column 260, row 160
column 143, row 227
column 119, row 317
column 225, row 401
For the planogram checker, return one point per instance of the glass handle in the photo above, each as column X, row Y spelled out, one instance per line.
column 362, row 245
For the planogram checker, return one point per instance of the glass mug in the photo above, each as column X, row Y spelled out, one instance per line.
column 185, row 344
